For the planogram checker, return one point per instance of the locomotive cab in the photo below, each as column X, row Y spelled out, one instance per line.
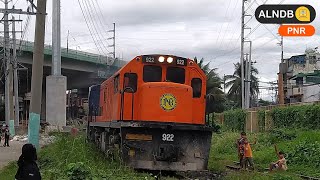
column 174, row 83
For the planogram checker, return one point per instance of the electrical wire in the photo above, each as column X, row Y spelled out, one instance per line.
column 100, row 20
column 89, row 10
column 84, row 16
column 100, row 11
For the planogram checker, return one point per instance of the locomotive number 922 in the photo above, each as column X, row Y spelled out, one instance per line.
column 153, row 112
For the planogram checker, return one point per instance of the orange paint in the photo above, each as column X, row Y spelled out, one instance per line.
column 154, row 101
column 296, row 30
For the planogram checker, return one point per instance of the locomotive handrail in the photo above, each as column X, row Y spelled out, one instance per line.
column 122, row 102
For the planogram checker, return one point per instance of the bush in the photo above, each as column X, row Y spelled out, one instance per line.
column 305, row 153
column 306, row 116
column 282, row 134
column 211, row 120
column 235, row 120
column 277, row 135
column 78, row 171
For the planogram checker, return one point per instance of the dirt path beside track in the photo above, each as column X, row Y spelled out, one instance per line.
column 12, row 153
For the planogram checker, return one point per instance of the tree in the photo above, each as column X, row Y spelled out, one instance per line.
column 262, row 102
column 213, row 89
column 234, row 82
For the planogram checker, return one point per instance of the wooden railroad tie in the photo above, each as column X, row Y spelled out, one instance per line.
column 233, row 167
column 307, row 177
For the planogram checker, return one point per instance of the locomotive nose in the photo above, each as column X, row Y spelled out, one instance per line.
column 166, row 102
column 167, row 152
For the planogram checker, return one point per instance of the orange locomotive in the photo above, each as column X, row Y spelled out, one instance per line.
column 153, row 111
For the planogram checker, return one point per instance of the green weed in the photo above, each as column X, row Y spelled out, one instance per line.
column 72, row 158
column 302, row 149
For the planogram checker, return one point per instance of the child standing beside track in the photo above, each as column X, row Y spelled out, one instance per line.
column 6, row 136
column 240, row 147
column 247, row 160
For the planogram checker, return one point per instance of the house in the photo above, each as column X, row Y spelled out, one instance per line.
column 301, row 77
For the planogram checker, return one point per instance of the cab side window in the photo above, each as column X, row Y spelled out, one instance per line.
column 196, row 84
column 116, row 84
column 130, row 80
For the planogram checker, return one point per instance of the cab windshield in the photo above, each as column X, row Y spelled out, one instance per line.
column 176, row 74
column 152, row 73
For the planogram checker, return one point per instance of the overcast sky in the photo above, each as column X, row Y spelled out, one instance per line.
column 188, row 28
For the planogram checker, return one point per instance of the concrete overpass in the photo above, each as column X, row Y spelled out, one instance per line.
column 82, row 69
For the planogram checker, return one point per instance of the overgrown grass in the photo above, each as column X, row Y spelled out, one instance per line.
column 72, row 158
column 301, row 147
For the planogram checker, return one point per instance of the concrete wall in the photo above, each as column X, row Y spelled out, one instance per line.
column 252, row 124
column 56, row 101
column 311, row 93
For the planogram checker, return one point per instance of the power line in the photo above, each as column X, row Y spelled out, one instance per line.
column 89, row 8
column 91, row 21
column 254, row 29
column 84, row 16
column 13, row 4
column 99, row 8
column 102, row 24
column 233, row 13
column 254, row 1
column 227, row 23
column 267, row 28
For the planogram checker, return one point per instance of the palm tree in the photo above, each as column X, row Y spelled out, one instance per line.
column 213, row 88
column 234, row 82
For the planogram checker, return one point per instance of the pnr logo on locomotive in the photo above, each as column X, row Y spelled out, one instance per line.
column 168, row 102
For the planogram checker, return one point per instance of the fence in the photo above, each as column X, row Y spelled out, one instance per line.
column 251, row 122
column 282, row 105
column 254, row 123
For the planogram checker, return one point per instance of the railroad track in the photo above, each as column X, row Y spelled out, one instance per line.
column 237, row 168
column 192, row 175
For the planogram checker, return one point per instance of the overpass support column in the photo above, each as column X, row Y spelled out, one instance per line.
column 56, row 85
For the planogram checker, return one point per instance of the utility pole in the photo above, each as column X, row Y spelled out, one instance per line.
column 67, row 41
column 37, row 73
column 114, row 41
column 8, row 63
column 8, row 72
column 6, row 59
column 10, row 79
column 242, row 55
column 15, row 74
column 246, row 67
column 56, row 84
column 280, row 77
column 248, row 77
column 282, row 49
column 224, row 84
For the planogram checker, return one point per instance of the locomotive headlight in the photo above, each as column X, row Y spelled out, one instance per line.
column 161, row 59
column 169, row 59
